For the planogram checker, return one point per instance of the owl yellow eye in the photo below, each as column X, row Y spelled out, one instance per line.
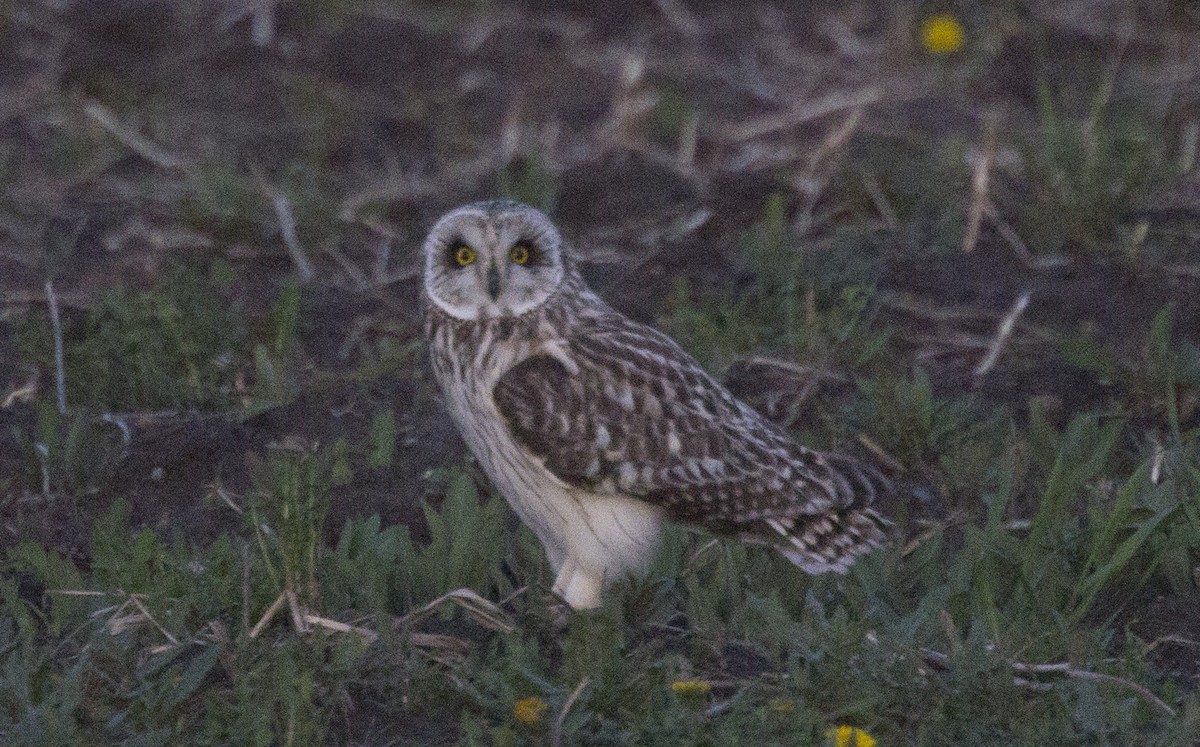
column 519, row 253
column 464, row 255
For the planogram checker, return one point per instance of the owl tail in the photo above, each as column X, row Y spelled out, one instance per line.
column 827, row 542
column 854, row 483
column 830, row 541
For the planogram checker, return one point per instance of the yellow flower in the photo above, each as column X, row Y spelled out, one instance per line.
column 529, row 711
column 692, row 688
column 850, row 736
column 942, row 33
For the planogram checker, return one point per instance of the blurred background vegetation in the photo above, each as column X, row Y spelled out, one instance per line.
column 958, row 239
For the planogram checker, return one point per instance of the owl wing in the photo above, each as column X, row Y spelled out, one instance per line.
column 619, row 408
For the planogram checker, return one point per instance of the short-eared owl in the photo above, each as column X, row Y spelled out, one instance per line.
column 597, row 429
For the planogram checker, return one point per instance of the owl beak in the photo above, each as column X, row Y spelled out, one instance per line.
column 493, row 281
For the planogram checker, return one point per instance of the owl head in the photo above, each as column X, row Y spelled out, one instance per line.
column 493, row 259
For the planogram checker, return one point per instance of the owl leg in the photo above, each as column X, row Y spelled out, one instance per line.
column 578, row 587
column 557, row 557
column 566, row 571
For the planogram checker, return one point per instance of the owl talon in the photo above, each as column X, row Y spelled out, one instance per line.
column 578, row 588
column 560, row 616
column 565, row 573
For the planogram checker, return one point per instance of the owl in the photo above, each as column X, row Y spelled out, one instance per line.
column 598, row 430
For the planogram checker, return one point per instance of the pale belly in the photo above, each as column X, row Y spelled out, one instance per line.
column 604, row 536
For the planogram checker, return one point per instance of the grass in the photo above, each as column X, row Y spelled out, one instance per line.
column 165, row 641
column 171, row 349
column 252, row 524
column 811, row 299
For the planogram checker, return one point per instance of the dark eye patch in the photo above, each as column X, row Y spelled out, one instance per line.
column 454, row 251
column 525, row 252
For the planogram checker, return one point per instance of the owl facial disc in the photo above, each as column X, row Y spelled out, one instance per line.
column 491, row 260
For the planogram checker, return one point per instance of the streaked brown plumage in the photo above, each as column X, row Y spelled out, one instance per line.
column 596, row 428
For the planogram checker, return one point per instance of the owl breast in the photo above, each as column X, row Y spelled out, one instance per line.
column 604, row 535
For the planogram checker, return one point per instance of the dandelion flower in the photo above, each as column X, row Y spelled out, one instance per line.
column 850, row 736
column 529, row 711
column 691, row 688
column 942, row 33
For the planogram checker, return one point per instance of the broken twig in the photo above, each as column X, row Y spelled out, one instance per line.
column 60, row 374
column 268, row 615
column 834, row 102
column 130, row 138
column 287, row 229
column 979, row 187
column 556, row 732
column 1003, row 332
column 942, row 661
